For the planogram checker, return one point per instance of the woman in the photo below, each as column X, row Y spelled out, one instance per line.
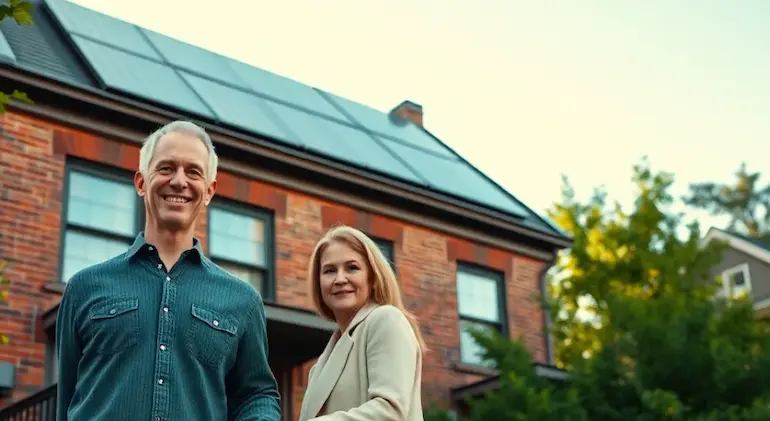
column 371, row 368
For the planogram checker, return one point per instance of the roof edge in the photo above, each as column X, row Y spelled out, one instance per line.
column 736, row 243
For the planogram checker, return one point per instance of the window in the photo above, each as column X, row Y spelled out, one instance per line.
column 736, row 281
column 102, row 219
column 240, row 242
column 481, row 305
column 387, row 249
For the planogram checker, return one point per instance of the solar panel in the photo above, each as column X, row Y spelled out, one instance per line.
column 343, row 142
column 6, row 54
column 281, row 88
column 194, row 59
column 385, row 127
column 142, row 77
column 91, row 24
column 237, row 108
column 457, row 178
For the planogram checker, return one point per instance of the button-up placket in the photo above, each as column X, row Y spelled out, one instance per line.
column 166, row 326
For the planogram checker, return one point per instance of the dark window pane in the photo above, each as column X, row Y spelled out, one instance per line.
column 470, row 350
column 101, row 204
column 82, row 250
column 236, row 237
column 478, row 296
column 245, row 274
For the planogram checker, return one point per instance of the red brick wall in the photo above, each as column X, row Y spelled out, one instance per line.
column 32, row 158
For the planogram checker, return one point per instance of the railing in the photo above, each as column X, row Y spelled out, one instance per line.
column 39, row 407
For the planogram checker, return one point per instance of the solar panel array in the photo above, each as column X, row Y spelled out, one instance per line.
column 155, row 67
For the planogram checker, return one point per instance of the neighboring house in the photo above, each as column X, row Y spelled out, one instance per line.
column 744, row 269
column 295, row 161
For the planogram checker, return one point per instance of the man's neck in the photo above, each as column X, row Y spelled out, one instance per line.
column 170, row 244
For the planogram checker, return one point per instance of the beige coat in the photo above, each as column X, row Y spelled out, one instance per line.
column 370, row 373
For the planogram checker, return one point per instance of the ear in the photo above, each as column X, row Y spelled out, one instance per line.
column 210, row 192
column 139, row 184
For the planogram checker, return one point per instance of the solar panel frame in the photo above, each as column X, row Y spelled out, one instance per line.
column 119, row 70
column 387, row 127
column 88, row 23
column 457, row 178
column 233, row 109
column 282, row 89
column 342, row 142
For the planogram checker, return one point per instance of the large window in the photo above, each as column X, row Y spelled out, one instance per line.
column 480, row 305
column 101, row 219
column 240, row 241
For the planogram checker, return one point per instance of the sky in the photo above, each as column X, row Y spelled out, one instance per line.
column 527, row 91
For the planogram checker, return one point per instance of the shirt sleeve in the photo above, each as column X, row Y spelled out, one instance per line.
column 393, row 362
column 69, row 349
column 252, row 391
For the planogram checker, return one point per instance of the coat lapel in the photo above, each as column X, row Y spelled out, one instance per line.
column 330, row 365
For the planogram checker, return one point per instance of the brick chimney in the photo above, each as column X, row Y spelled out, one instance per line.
column 408, row 110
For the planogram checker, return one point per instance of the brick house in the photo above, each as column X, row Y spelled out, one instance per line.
column 295, row 160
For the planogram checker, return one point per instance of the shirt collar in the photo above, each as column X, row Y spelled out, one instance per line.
column 140, row 244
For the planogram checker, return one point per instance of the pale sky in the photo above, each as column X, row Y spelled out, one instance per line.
column 524, row 90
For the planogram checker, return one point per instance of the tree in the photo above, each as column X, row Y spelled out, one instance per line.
column 18, row 10
column 637, row 324
column 745, row 202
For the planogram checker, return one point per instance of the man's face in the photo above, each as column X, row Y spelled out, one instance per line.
column 175, row 188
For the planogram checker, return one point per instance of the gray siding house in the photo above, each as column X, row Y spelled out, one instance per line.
column 744, row 269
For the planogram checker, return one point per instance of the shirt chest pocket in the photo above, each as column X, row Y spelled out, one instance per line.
column 212, row 336
column 114, row 325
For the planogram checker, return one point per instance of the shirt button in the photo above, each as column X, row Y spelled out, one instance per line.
column 163, row 347
column 165, row 309
column 168, row 278
column 149, row 248
column 160, row 381
column 216, row 322
column 160, row 265
column 113, row 311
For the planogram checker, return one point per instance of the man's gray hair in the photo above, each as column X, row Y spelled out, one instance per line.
column 179, row 126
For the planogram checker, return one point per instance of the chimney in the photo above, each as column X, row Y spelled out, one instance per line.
column 410, row 111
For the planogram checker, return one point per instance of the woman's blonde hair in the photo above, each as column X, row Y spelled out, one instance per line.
column 385, row 289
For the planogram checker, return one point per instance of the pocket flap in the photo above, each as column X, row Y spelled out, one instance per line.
column 214, row 320
column 114, row 308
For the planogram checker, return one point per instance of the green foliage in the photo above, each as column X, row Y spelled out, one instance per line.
column 19, row 11
column 638, row 326
column 636, row 254
column 745, row 202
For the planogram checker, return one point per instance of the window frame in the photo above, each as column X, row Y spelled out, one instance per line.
column 390, row 246
column 105, row 172
column 727, row 273
column 267, row 218
column 499, row 277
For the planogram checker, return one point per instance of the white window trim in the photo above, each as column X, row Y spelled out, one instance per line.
column 743, row 267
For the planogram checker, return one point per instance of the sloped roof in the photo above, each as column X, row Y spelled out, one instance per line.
column 82, row 47
column 741, row 242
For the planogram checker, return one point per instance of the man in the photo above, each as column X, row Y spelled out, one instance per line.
column 161, row 332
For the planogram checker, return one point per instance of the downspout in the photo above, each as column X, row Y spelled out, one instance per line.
column 549, row 345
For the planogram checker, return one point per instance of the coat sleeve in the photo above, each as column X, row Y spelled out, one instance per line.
column 394, row 363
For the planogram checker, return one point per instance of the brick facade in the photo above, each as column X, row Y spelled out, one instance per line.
column 32, row 165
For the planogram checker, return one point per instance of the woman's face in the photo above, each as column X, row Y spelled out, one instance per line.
column 345, row 284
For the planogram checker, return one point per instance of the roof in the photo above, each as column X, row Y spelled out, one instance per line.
column 751, row 246
column 84, row 48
